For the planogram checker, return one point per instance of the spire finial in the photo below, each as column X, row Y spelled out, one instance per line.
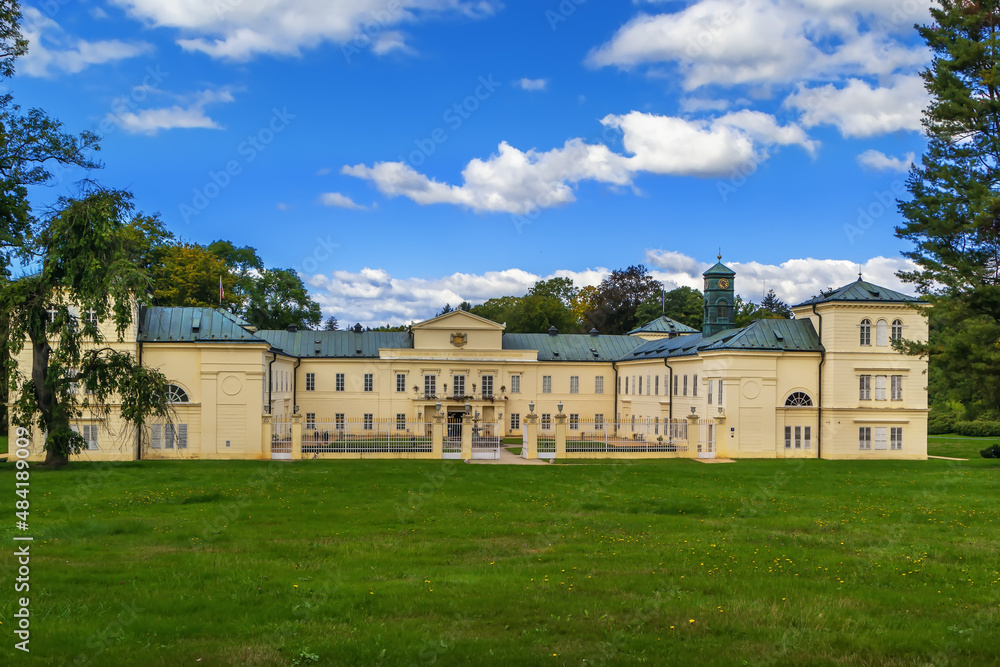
column 859, row 272
column 720, row 254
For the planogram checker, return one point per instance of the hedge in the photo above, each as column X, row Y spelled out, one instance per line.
column 978, row 429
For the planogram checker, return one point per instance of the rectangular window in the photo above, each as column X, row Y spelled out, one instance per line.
column 487, row 386
column 310, row 382
column 879, row 387
column 430, row 386
column 720, row 392
column 546, row 421
column 599, row 384
column 546, row 384
column 640, row 385
column 369, row 421
column 788, row 437
column 167, row 436
column 311, row 420
column 598, row 422
column 685, row 384
column 896, row 438
column 400, row 382
column 865, row 388
column 515, row 421
column 338, row 421
column 798, row 437
column 657, row 385
column 626, row 384
column 694, row 386
column 400, row 421
column 90, row 435
column 574, row 384
column 864, row 437
column 677, row 379
column 574, row 422
column 515, row 384
column 807, row 437
column 709, row 392
column 649, row 385
column 339, row 385
column 458, row 384
column 880, row 437
column 897, row 388
column 369, row 382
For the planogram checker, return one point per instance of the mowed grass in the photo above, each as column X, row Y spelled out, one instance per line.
column 418, row 562
column 958, row 446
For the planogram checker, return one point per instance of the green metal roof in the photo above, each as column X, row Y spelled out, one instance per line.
column 337, row 344
column 719, row 269
column 161, row 324
column 664, row 324
column 573, row 347
column 862, row 292
column 764, row 335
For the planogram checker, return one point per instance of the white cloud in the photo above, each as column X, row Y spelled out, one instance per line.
column 879, row 161
column 52, row 51
column 242, row 29
column 518, row 182
column 374, row 296
column 859, row 109
column 191, row 116
column 794, row 281
column 340, row 200
column 532, row 84
column 735, row 42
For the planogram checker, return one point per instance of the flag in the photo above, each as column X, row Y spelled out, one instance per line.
column 222, row 292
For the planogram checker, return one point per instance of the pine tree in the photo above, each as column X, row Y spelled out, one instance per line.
column 774, row 308
column 953, row 218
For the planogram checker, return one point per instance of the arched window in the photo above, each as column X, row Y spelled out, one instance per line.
column 897, row 329
column 866, row 332
column 798, row 399
column 722, row 310
column 882, row 333
column 177, row 395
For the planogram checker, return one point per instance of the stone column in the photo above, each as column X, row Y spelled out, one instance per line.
column 560, row 436
column 530, row 445
column 437, row 436
column 467, row 437
column 296, row 437
column 265, row 436
column 720, row 432
column 693, row 433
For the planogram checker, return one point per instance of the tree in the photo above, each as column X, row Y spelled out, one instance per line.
column 745, row 312
column 465, row 305
column 774, row 308
column 331, row 324
column 279, row 299
column 684, row 304
column 618, row 298
column 88, row 264
column 584, row 300
column 444, row 311
column 557, row 288
column 246, row 268
column 498, row 309
column 189, row 275
column 952, row 216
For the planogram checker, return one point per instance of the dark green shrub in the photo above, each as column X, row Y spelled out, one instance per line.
column 942, row 418
column 978, row 429
column 991, row 452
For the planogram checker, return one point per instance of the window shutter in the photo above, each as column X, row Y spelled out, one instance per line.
column 182, row 436
column 156, row 436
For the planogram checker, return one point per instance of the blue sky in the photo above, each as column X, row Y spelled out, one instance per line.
column 403, row 154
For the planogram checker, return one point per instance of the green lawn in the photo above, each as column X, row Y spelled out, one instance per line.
column 425, row 562
column 959, row 446
column 3, row 444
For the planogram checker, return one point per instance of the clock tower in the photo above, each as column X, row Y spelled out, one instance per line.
column 719, row 299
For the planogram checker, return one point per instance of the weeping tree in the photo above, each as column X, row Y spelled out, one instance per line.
column 88, row 278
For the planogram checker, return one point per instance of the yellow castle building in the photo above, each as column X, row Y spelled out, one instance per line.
column 826, row 384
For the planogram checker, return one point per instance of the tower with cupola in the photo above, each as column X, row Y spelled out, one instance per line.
column 719, row 299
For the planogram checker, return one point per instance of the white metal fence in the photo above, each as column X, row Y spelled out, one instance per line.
column 281, row 438
column 486, row 440
column 366, row 435
column 638, row 435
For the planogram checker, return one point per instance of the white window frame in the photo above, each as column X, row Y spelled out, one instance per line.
column 864, row 438
column 369, row 382
column 896, row 388
column 599, row 384
column 694, row 385
column 515, row 384
column 339, row 421
column 896, row 438
column 515, row 421
column 546, row 384
column 865, row 332
column 368, row 421
column 864, row 387
column 487, row 382
column 880, row 436
column 310, row 382
column 400, row 383
column 897, row 329
column 546, row 422
column 598, row 422
column 400, row 421
column 458, row 386
column 430, row 385
column 311, row 421
column 574, row 384
column 340, row 382
column 574, row 421
column 880, row 382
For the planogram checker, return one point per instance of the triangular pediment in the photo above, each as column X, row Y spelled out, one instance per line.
column 458, row 319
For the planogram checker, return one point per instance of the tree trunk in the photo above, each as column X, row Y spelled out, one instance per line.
column 56, row 447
